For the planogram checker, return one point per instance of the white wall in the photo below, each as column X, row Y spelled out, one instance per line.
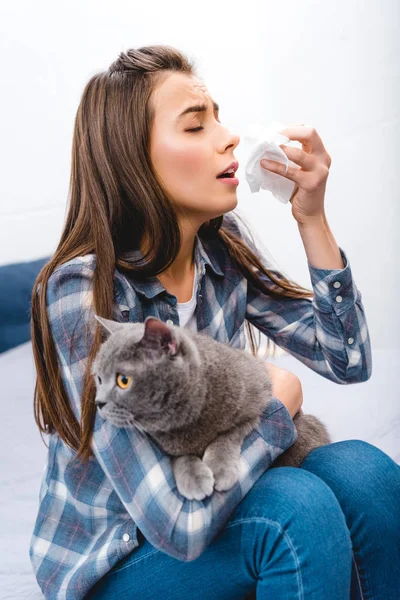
column 329, row 65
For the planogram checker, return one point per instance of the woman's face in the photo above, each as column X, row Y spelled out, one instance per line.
column 188, row 162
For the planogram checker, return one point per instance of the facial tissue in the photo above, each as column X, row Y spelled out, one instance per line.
column 263, row 142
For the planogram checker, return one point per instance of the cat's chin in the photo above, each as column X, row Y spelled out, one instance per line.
column 117, row 415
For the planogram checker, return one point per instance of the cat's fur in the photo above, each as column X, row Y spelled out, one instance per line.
column 196, row 397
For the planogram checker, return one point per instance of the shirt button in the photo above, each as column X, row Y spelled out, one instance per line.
column 337, row 284
column 350, row 340
column 126, row 537
column 169, row 322
column 339, row 298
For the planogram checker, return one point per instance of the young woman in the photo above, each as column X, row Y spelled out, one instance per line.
column 151, row 231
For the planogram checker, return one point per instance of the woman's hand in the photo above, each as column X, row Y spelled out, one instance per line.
column 314, row 162
column 286, row 386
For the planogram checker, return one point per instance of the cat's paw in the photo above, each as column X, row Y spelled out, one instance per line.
column 225, row 478
column 225, row 470
column 194, row 479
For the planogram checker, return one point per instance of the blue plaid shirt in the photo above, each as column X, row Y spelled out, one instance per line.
column 89, row 513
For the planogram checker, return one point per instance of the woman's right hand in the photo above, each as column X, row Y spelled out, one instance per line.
column 286, row 386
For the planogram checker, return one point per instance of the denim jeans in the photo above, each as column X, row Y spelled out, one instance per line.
column 329, row 530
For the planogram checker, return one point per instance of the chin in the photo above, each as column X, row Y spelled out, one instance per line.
column 233, row 204
column 118, row 416
column 229, row 204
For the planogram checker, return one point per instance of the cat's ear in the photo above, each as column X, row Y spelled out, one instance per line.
column 158, row 335
column 108, row 326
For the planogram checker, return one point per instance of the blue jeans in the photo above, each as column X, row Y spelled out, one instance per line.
column 329, row 530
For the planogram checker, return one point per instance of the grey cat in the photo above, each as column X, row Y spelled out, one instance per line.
column 196, row 397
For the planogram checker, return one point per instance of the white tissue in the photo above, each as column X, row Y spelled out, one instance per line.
column 263, row 142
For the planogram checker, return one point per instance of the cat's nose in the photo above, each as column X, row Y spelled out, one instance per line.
column 100, row 404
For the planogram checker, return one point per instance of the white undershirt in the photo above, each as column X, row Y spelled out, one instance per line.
column 186, row 310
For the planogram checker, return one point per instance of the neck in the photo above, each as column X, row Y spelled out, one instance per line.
column 183, row 265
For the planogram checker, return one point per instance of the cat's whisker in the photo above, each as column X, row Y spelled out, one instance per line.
column 136, row 424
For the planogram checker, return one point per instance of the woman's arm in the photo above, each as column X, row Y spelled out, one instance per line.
column 287, row 387
column 328, row 333
column 320, row 245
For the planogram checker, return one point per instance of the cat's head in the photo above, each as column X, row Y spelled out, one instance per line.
column 138, row 371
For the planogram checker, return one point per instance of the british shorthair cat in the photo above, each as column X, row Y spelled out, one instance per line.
column 196, row 397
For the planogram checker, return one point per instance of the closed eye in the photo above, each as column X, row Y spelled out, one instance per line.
column 200, row 128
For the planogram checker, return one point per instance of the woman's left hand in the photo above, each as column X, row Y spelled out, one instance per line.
column 314, row 162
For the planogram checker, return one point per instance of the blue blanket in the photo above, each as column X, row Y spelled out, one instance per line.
column 16, row 285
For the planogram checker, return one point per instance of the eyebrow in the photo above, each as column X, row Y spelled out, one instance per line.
column 196, row 108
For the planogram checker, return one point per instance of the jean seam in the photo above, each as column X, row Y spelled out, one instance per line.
column 288, row 541
column 358, row 577
column 133, row 562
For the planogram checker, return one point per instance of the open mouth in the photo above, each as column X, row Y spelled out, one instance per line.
column 226, row 175
column 229, row 178
column 229, row 171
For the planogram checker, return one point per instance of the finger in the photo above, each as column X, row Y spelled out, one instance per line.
column 308, row 136
column 293, row 173
column 306, row 161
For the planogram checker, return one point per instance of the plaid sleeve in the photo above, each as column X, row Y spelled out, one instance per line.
column 137, row 468
column 328, row 333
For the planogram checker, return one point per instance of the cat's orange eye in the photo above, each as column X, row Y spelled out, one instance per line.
column 123, row 381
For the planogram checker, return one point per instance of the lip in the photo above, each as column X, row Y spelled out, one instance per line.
column 232, row 180
column 233, row 165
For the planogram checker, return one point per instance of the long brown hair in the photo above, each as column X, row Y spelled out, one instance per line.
column 114, row 200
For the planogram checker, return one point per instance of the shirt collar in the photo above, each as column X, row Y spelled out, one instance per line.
column 152, row 286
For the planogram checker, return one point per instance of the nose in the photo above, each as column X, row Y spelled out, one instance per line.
column 100, row 404
column 232, row 143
